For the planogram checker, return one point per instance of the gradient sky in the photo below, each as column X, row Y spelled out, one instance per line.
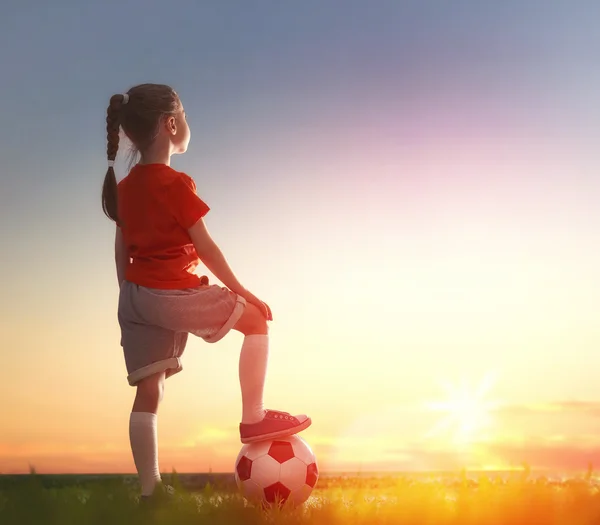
column 412, row 186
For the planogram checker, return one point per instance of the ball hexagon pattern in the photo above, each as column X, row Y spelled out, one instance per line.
column 283, row 471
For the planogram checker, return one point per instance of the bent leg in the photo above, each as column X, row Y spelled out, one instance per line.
column 254, row 358
column 257, row 423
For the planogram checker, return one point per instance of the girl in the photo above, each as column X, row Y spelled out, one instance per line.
column 160, row 240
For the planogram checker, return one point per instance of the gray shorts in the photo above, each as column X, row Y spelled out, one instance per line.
column 155, row 324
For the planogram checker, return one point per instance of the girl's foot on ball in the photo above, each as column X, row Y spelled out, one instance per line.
column 274, row 425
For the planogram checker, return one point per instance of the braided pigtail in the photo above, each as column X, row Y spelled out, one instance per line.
column 109, row 188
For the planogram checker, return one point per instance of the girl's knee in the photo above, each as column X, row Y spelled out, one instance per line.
column 252, row 321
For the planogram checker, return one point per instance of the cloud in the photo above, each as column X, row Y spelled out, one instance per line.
column 591, row 408
column 557, row 457
column 571, row 419
column 547, row 456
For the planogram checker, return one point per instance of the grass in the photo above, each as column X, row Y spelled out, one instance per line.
column 459, row 500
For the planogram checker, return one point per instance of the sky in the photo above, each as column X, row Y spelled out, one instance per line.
column 412, row 186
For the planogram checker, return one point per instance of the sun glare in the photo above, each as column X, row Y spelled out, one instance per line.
column 467, row 412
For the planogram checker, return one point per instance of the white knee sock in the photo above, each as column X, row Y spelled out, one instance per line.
column 144, row 446
column 253, row 370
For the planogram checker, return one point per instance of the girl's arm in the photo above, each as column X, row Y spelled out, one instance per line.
column 213, row 258
column 121, row 255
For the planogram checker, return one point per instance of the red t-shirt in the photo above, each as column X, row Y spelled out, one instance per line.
column 156, row 206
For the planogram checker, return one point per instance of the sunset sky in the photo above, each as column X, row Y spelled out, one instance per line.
column 412, row 186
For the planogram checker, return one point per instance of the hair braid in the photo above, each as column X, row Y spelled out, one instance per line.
column 109, row 188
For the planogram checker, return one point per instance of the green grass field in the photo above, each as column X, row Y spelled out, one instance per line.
column 457, row 500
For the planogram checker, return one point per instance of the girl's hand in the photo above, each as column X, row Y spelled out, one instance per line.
column 262, row 306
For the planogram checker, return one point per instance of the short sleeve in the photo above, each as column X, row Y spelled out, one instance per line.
column 185, row 205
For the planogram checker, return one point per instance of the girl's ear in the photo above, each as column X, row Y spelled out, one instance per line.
column 171, row 125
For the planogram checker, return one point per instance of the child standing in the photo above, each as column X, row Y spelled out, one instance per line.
column 160, row 240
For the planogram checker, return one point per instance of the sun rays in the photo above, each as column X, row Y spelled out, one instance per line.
column 468, row 413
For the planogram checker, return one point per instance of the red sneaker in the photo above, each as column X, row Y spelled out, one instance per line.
column 274, row 425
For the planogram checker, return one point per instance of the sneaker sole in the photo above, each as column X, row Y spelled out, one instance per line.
column 279, row 434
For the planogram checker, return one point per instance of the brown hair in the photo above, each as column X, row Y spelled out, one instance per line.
column 140, row 118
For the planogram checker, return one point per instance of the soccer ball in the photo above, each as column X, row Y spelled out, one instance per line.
column 282, row 471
